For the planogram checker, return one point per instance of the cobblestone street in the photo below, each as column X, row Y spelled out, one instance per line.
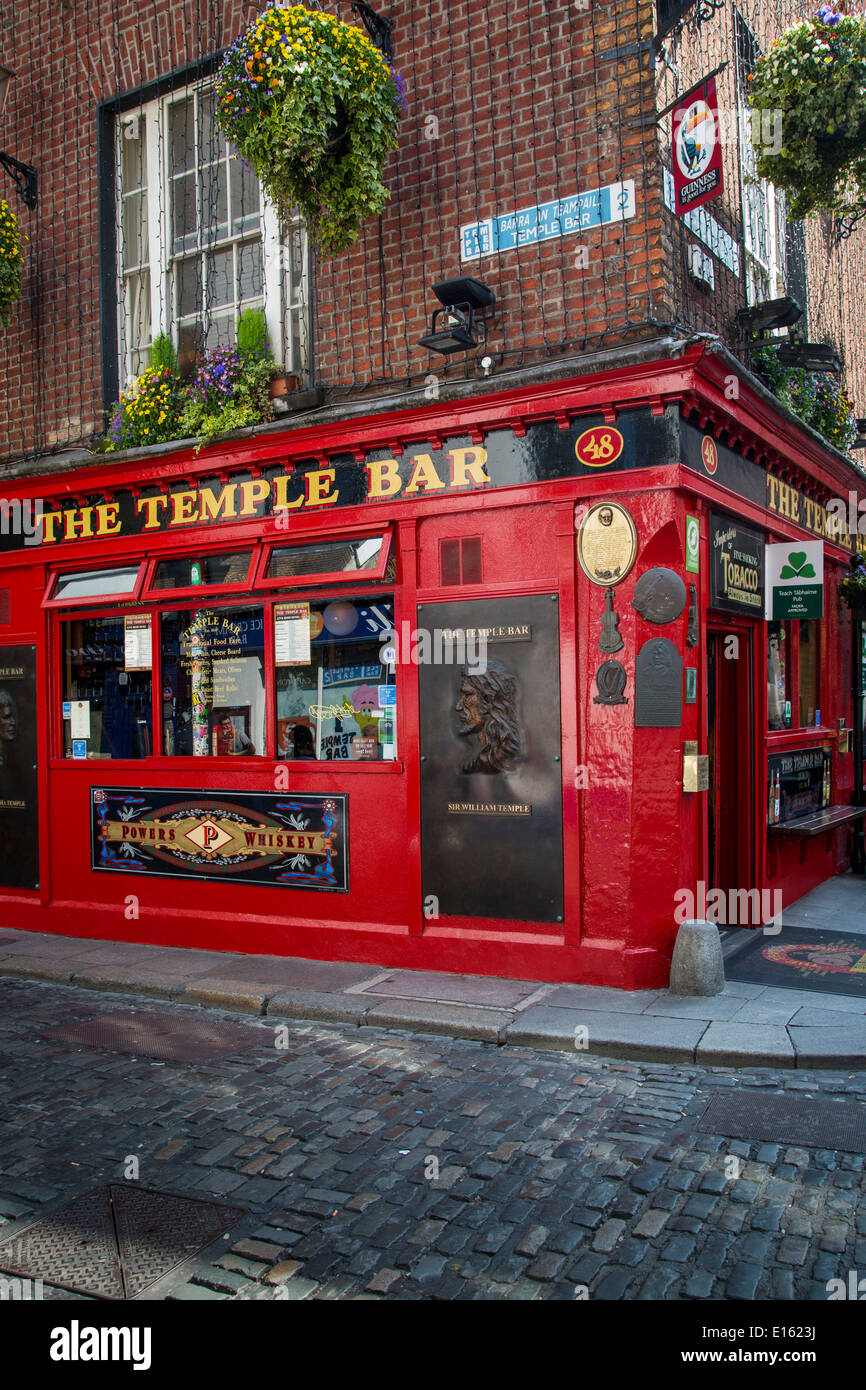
column 554, row 1171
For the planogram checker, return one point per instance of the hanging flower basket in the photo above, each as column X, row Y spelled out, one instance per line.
column 11, row 261
column 853, row 591
column 312, row 105
column 813, row 79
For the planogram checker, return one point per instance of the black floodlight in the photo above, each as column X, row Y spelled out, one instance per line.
column 812, row 357
column 772, row 313
column 860, row 441
column 464, row 315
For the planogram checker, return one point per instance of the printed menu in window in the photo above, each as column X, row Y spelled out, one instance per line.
column 138, row 643
column 292, row 634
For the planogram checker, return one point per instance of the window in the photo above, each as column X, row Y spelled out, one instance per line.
column 336, row 700
column 187, row 571
column 324, row 561
column 460, row 561
column 808, row 685
column 778, row 676
column 110, row 713
column 197, row 242
column 793, row 674
column 213, row 682
column 84, row 585
column 775, row 254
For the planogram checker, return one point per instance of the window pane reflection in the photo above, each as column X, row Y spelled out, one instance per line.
column 213, row 676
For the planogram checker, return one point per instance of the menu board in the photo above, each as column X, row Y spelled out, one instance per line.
column 292, row 634
column 137, row 642
column 799, row 782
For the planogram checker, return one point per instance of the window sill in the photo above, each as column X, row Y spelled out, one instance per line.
column 780, row 739
column 225, row 764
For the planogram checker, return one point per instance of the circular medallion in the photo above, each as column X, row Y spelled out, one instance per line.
column 695, row 139
column 606, row 543
column 599, row 446
column 659, row 596
column 709, row 453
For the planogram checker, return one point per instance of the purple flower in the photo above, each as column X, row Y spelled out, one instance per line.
column 828, row 15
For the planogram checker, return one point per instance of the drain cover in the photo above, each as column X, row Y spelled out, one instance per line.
column 817, row 1124
column 116, row 1241
column 168, row 1037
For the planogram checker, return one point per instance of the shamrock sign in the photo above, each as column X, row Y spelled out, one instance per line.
column 798, row 566
column 795, row 580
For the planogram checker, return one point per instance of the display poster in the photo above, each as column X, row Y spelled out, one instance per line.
column 79, row 726
column 491, row 776
column 292, row 634
column 798, row 784
column 284, row 841
column 736, row 567
column 19, row 806
column 138, row 642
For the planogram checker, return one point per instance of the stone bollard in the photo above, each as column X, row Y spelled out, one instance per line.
column 696, row 965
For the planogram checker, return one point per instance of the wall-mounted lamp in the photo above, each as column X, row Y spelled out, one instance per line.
column 463, row 314
column 24, row 175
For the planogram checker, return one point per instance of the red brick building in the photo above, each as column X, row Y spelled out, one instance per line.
column 539, row 819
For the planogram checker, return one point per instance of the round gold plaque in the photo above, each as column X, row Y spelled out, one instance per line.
column 606, row 543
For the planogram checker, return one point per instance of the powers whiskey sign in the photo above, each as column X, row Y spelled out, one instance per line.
column 284, row 841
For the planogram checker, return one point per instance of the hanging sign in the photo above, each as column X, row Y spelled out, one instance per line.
column 795, row 580
column 697, row 150
column 138, row 644
column 693, row 544
column 292, row 634
column 736, row 567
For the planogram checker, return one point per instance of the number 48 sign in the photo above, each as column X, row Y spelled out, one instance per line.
column 599, row 446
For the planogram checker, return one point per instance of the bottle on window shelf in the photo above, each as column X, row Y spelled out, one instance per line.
column 778, row 799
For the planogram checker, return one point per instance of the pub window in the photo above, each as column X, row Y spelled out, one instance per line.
column 336, row 697
column 321, row 562
column 84, row 585
column 191, row 571
column 106, row 690
column 778, row 676
column 213, row 682
column 197, row 243
column 809, row 687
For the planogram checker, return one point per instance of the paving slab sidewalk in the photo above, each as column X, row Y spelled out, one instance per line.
column 747, row 1025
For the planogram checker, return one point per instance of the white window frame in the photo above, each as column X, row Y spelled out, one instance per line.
column 286, row 303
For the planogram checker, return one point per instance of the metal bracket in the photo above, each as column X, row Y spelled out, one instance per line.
column 377, row 26
column 24, row 176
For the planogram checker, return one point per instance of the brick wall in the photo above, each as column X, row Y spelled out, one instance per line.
column 510, row 105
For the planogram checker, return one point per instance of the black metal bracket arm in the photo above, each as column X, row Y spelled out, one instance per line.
column 24, row 176
column 377, row 26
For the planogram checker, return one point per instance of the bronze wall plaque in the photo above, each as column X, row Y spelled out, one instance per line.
column 607, row 543
column 659, row 596
column 610, row 679
column 19, row 805
column 658, row 698
column 491, row 776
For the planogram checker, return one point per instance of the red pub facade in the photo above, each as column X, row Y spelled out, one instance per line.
column 463, row 662
column 367, row 691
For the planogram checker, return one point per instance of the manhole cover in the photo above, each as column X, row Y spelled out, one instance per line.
column 168, row 1037
column 116, row 1241
column 817, row 1124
